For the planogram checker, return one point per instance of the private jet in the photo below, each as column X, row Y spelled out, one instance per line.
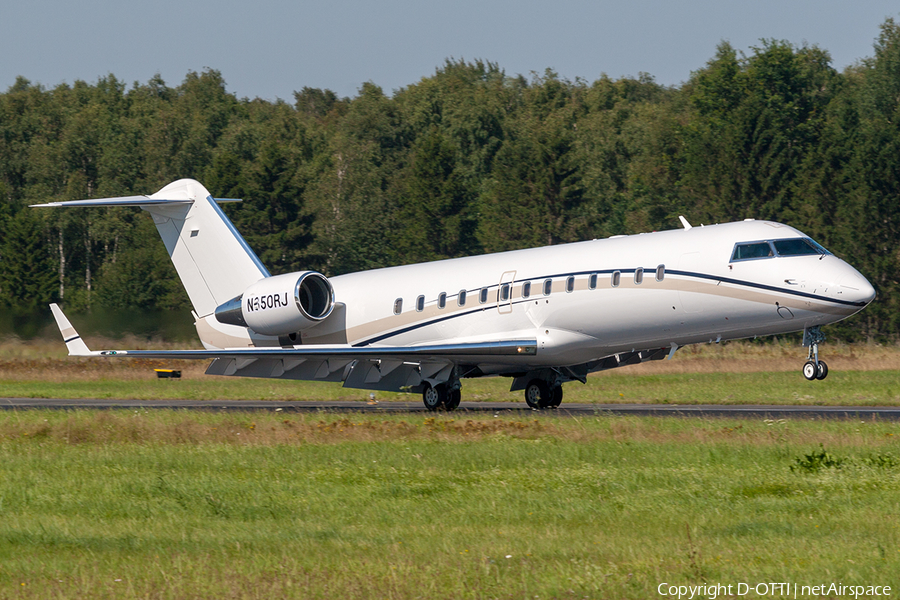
column 541, row 316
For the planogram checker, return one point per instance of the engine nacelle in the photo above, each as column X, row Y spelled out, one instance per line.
column 280, row 305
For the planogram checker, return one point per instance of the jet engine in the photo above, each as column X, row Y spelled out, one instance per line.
column 280, row 305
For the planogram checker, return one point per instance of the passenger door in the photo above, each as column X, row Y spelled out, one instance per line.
column 505, row 292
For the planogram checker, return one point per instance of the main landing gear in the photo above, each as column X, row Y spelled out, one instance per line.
column 543, row 387
column 814, row 368
column 540, row 394
column 441, row 396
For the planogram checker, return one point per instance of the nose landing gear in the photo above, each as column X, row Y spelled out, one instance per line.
column 814, row 368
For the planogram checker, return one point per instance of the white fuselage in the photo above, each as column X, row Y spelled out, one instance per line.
column 702, row 295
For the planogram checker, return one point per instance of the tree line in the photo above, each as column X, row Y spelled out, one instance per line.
column 467, row 161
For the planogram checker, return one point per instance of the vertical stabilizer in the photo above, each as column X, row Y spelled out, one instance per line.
column 214, row 262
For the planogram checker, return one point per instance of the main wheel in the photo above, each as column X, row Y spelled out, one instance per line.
column 810, row 370
column 823, row 370
column 537, row 393
column 453, row 398
column 434, row 397
column 556, row 396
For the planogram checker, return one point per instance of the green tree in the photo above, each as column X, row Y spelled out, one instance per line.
column 755, row 121
column 436, row 209
column 628, row 149
column 534, row 195
column 27, row 276
column 141, row 276
column 354, row 222
column 868, row 215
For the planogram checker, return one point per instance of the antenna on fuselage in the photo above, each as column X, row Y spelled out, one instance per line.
column 684, row 222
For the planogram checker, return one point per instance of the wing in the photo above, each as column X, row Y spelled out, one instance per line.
column 367, row 367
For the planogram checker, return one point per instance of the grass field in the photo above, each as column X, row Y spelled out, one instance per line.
column 171, row 504
column 167, row 504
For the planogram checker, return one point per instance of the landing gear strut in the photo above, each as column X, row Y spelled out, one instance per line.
column 814, row 368
column 540, row 394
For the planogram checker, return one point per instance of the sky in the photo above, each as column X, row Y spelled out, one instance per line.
column 270, row 48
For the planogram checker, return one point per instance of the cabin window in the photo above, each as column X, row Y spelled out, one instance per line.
column 592, row 281
column 398, row 306
column 638, row 276
column 526, row 289
column 482, row 298
column 420, row 303
column 548, row 286
column 751, row 251
column 461, row 298
column 504, row 292
column 615, row 279
column 442, row 299
column 570, row 284
column 660, row 272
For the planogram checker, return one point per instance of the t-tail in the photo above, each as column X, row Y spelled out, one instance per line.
column 214, row 262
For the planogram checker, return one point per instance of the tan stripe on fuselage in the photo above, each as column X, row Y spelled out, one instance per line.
column 686, row 284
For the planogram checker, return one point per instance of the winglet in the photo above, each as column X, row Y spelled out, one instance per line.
column 74, row 343
column 684, row 222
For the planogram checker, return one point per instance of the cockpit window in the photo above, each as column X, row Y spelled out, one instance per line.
column 772, row 248
column 798, row 247
column 750, row 250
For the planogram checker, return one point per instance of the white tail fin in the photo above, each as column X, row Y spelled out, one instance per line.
column 214, row 262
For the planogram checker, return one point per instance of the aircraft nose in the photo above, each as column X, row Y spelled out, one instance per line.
column 857, row 288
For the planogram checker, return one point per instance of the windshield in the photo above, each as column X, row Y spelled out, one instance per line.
column 798, row 247
column 772, row 248
column 752, row 250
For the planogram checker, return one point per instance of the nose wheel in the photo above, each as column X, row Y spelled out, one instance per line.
column 814, row 368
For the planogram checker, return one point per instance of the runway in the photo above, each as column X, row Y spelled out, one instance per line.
column 757, row 411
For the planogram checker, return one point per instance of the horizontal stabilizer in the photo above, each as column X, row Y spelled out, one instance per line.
column 138, row 201
column 213, row 261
